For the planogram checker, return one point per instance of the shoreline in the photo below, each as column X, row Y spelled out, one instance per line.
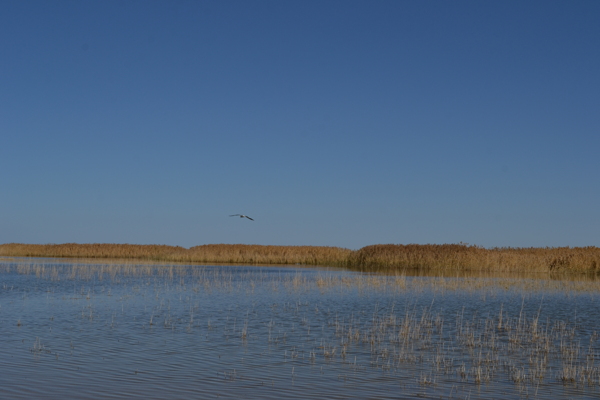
column 373, row 258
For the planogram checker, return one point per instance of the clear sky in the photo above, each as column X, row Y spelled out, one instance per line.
column 336, row 123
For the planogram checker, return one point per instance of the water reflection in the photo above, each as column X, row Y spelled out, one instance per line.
column 154, row 331
column 560, row 276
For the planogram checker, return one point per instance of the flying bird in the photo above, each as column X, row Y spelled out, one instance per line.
column 241, row 216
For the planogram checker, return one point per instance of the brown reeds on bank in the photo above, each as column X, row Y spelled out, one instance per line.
column 210, row 253
column 474, row 258
column 380, row 258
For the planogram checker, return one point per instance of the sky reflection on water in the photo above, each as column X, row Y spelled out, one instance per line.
column 152, row 331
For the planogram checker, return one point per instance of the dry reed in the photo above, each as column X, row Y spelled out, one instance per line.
column 375, row 258
column 461, row 257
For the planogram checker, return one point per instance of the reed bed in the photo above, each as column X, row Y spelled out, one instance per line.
column 375, row 258
column 210, row 253
column 475, row 258
column 517, row 348
column 256, row 254
column 93, row 250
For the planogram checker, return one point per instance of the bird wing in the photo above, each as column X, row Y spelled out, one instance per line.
column 248, row 218
column 235, row 215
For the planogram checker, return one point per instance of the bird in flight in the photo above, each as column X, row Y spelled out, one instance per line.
column 241, row 216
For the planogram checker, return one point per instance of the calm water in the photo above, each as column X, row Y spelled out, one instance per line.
column 149, row 331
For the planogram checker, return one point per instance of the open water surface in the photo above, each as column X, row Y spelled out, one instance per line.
column 81, row 330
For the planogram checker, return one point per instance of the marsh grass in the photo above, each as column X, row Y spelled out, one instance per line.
column 375, row 258
column 211, row 253
column 460, row 257
column 522, row 350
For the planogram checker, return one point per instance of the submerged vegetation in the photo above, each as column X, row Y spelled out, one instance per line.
column 379, row 258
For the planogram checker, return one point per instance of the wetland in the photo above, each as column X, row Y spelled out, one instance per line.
column 81, row 329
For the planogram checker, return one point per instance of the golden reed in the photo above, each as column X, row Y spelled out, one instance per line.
column 385, row 257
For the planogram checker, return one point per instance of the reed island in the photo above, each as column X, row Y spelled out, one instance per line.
column 376, row 258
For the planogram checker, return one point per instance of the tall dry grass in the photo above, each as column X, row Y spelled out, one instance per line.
column 257, row 254
column 375, row 258
column 474, row 258
column 94, row 250
column 211, row 253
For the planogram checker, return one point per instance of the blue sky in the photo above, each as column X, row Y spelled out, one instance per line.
column 336, row 123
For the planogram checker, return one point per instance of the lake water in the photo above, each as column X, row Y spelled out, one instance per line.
column 94, row 330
